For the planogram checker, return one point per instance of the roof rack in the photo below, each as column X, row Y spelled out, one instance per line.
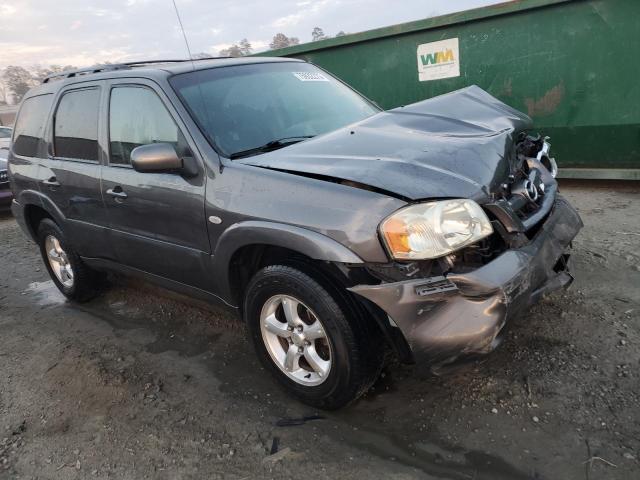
column 85, row 71
column 117, row 66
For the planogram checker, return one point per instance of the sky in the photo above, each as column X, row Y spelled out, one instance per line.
column 86, row 32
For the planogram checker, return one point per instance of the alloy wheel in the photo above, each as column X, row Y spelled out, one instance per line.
column 296, row 340
column 59, row 261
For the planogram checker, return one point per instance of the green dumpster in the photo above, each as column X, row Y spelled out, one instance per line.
column 572, row 65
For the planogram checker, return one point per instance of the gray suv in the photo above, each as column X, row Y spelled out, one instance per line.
column 344, row 235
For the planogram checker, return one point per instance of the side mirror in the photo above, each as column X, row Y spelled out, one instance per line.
column 155, row 157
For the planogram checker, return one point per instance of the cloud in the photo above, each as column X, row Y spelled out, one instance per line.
column 215, row 49
column 287, row 21
column 307, row 10
column 82, row 32
column 7, row 11
column 259, row 44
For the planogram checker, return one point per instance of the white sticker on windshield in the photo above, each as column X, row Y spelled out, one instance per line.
column 310, row 77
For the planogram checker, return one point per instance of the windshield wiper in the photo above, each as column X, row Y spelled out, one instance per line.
column 270, row 146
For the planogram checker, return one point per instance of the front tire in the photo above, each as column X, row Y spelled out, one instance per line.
column 309, row 339
column 72, row 277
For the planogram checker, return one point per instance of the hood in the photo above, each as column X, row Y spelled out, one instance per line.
column 460, row 144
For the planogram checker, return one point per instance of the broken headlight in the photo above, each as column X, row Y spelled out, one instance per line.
column 434, row 229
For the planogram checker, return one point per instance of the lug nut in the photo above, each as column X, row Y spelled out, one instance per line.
column 300, row 350
column 299, row 328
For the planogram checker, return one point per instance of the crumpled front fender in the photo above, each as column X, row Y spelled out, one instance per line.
column 463, row 313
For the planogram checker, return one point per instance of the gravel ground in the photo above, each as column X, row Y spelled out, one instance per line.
column 143, row 383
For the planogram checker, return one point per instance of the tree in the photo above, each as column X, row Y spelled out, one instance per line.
column 245, row 47
column 340, row 34
column 199, row 56
column 240, row 49
column 233, row 51
column 317, row 34
column 18, row 81
column 280, row 40
column 3, row 93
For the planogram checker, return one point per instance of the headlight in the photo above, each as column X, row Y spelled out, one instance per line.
column 434, row 229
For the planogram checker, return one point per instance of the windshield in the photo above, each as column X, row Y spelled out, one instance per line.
column 245, row 107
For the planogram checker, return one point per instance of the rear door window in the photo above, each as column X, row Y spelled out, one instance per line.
column 138, row 117
column 28, row 137
column 76, row 125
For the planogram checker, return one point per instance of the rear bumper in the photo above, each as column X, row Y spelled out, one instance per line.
column 444, row 318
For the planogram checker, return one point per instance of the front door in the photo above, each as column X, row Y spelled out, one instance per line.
column 156, row 220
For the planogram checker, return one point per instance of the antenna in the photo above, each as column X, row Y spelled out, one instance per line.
column 193, row 65
column 184, row 35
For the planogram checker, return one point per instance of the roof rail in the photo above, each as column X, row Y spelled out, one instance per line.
column 85, row 71
column 116, row 66
column 148, row 62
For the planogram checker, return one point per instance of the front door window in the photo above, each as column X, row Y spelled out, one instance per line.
column 137, row 117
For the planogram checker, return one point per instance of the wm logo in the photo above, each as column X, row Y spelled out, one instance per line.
column 437, row 57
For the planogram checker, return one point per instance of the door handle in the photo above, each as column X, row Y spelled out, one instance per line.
column 117, row 193
column 51, row 182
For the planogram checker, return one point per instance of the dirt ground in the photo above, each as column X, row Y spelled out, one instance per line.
column 142, row 383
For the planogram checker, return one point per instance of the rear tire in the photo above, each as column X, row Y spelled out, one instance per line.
column 334, row 361
column 72, row 277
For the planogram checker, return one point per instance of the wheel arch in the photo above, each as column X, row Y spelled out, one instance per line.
column 249, row 238
column 35, row 207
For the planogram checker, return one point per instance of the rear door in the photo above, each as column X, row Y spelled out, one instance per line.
column 157, row 220
column 70, row 175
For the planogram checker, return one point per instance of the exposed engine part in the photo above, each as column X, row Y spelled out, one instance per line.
column 529, row 145
column 398, row 271
column 538, row 147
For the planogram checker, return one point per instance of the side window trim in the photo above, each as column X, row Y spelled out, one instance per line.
column 129, row 84
column 61, row 94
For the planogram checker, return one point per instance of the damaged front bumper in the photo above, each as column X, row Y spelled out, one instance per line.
column 445, row 317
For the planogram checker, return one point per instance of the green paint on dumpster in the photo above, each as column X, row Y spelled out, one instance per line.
column 572, row 65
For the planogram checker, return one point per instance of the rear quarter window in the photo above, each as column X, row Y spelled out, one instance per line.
column 28, row 138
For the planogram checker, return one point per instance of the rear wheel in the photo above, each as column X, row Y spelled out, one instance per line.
column 309, row 339
column 72, row 277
